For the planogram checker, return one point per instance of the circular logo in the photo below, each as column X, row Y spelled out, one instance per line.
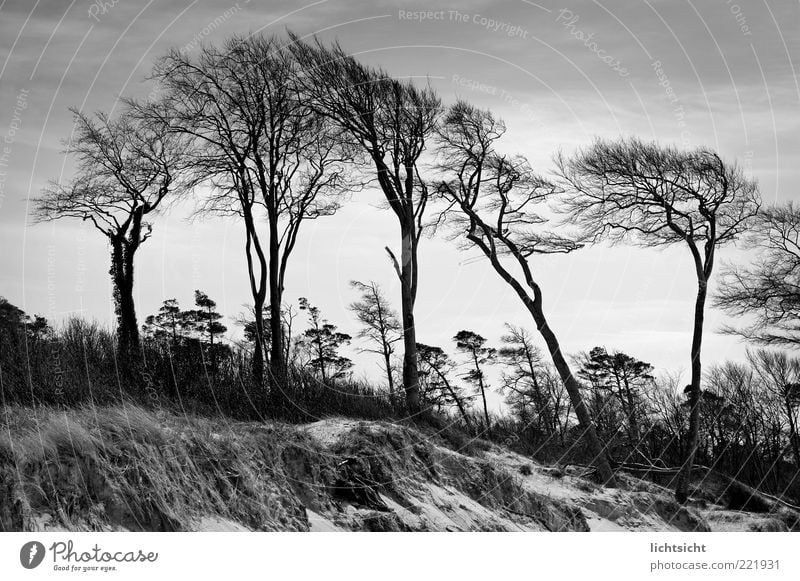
column 31, row 554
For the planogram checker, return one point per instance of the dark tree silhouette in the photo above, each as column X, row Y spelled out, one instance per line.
column 250, row 329
column 126, row 168
column 768, row 289
column 492, row 201
column 168, row 324
column 381, row 328
column 479, row 356
column 266, row 153
column 15, row 322
column 391, row 121
column 624, row 377
column 521, row 378
column 653, row 196
column 323, row 342
column 780, row 375
column 207, row 325
column 437, row 387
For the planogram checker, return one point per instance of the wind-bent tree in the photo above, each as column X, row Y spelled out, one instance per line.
column 436, row 386
column 267, row 154
column 391, row 121
column 380, row 326
column 474, row 346
column 126, row 168
column 654, row 196
column 768, row 289
column 491, row 202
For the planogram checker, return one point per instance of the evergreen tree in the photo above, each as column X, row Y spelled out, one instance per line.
column 207, row 325
column 623, row 378
column 323, row 341
column 168, row 324
column 479, row 355
column 436, row 387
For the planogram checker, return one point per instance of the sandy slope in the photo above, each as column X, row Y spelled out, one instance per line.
column 129, row 469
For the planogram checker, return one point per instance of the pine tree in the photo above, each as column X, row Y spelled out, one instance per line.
column 479, row 355
column 436, row 386
column 207, row 325
column 170, row 323
column 323, row 342
column 622, row 377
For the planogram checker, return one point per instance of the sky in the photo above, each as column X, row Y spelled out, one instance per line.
column 713, row 73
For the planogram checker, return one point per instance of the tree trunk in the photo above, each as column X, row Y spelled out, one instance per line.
column 483, row 394
column 685, row 475
column 793, row 433
column 388, row 360
column 600, row 459
column 410, row 371
column 122, row 254
column 534, row 306
column 257, row 277
column 278, row 375
column 633, row 422
column 258, row 347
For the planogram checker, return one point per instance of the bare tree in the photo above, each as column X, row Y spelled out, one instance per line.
column 769, row 289
column 492, row 201
column 655, row 196
column 780, row 375
column 391, row 121
column 266, row 153
column 520, row 379
column 126, row 168
column 381, row 327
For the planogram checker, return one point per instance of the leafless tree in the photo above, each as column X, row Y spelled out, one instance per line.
column 126, row 168
column 381, row 328
column 391, row 121
column 780, row 375
column 769, row 289
column 654, row 196
column 492, row 201
column 266, row 153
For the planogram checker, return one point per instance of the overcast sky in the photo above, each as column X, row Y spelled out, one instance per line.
column 712, row 73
